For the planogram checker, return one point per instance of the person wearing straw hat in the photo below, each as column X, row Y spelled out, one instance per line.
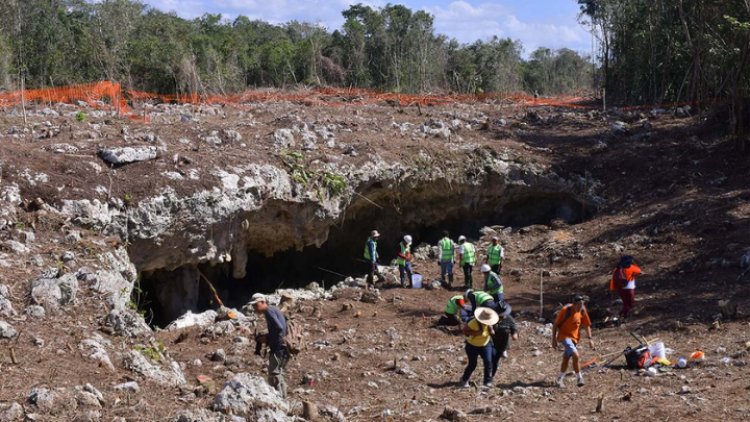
column 371, row 257
column 478, row 334
column 566, row 330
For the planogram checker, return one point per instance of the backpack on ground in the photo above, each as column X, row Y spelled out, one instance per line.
column 295, row 338
column 637, row 358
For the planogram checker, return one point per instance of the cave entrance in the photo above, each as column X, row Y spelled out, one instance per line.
column 166, row 295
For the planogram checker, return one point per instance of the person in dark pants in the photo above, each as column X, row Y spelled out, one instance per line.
column 277, row 330
column 495, row 255
column 467, row 258
column 371, row 257
column 404, row 261
column 623, row 280
column 505, row 330
column 478, row 334
column 452, row 311
column 447, row 250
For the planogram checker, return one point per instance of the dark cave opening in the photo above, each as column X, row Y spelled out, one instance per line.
column 166, row 295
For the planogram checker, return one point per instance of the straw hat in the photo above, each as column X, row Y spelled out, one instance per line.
column 486, row 316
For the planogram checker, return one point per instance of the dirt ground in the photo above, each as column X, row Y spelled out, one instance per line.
column 676, row 197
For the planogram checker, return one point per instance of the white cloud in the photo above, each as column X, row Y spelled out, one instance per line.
column 464, row 20
column 468, row 22
column 325, row 12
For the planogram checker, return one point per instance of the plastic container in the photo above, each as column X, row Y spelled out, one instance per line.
column 698, row 356
column 416, row 281
column 681, row 362
column 658, row 350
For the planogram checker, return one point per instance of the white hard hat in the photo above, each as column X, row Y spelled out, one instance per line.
column 407, row 239
column 258, row 297
column 484, row 268
column 462, row 237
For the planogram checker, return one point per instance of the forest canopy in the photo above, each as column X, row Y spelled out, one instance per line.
column 64, row 42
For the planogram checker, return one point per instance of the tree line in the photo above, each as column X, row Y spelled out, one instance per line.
column 695, row 51
column 64, row 42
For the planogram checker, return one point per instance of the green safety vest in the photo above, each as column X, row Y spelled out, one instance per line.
column 452, row 307
column 446, row 248
column 404, row 250
column 493, row 284
column 493, row 254
column 468, row 255
column 367, row 250
column 482, row 297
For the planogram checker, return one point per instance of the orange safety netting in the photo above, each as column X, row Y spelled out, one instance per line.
column 111, row 95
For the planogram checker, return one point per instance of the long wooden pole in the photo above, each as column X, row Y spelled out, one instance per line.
column 211, row 286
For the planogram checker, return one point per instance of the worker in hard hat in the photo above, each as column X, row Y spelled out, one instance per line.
column 371, row 257
column 452, row 311
column 446, row 250
column 495, row 255
column 493, row 284
column 476, row 299
column 404, row 261
column 467, row 258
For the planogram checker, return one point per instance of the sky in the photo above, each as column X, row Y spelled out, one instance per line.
column 547, row 23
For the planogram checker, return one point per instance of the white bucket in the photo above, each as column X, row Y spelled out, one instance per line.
column 658, row 350
column 416, row 281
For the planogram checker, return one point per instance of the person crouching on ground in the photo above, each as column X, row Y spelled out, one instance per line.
column 277, row 330
column 478, row 334
column 505, row 329
column 452, row 311
column 566, row 330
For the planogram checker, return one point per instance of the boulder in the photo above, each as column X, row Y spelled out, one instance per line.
column 6, row 307
column 251, row 397
column 126, row 323
column 189, row 319
column 7, row 330
column 166, row 372
column 11, row 413
column 94, row 350
column 127, row 155
column 128, row 387
column 53, row 293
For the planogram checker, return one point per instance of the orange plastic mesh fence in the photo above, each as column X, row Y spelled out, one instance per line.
column 110, row 95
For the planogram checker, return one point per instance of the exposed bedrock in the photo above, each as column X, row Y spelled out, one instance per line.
column 263, row 212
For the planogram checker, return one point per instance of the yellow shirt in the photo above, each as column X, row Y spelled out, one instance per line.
column 480, row 340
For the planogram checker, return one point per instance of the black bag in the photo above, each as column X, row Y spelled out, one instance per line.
column 637, row 358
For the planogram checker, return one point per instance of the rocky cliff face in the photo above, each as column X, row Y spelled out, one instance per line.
column 261, row 208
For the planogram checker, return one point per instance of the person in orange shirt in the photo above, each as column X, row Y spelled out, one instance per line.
column 566, row 330
column 623, row 280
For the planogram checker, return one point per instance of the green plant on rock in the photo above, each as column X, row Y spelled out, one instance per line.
column 335, row 183
column 294, row 161
column 80, row 116
column 154, row 352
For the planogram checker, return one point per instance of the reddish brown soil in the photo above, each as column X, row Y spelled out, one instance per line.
column 666, row 203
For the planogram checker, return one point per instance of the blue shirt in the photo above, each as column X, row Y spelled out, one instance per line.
column 373, row 250
column 276, row 328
